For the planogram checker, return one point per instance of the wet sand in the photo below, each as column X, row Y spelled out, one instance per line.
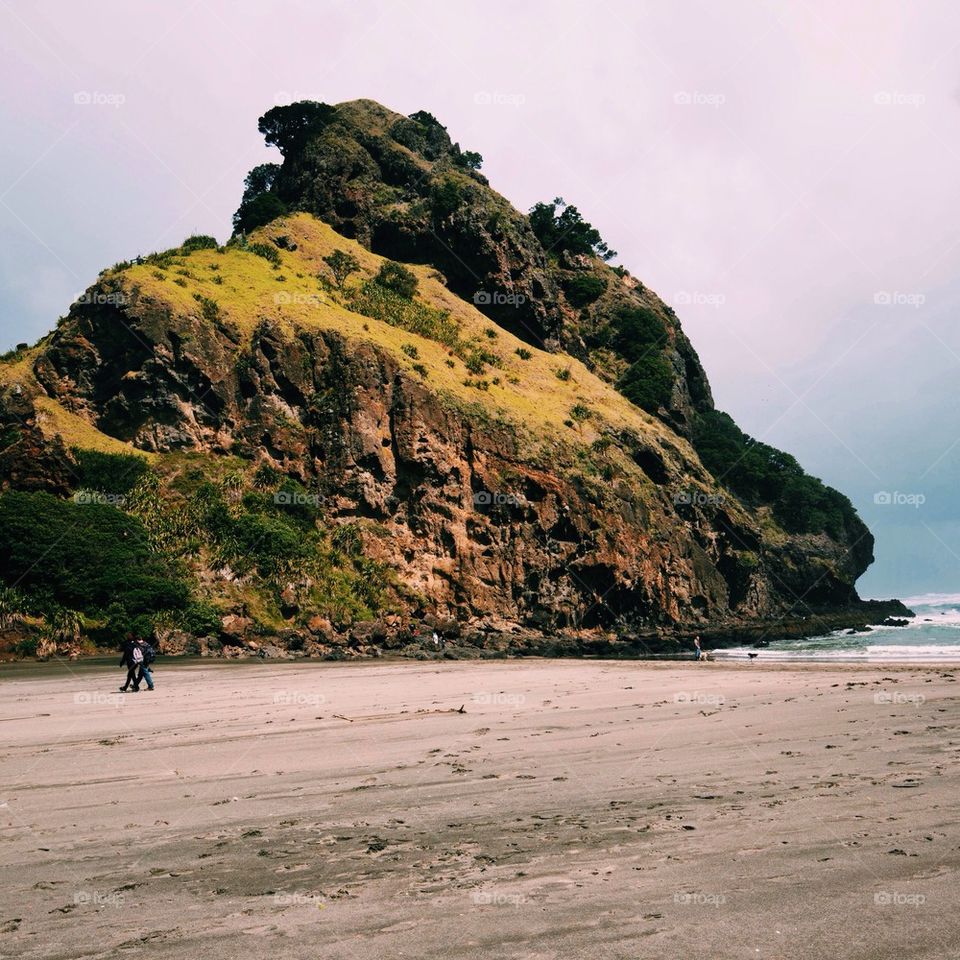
column 572, row 809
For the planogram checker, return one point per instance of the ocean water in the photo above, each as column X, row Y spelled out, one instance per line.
column 932, row 635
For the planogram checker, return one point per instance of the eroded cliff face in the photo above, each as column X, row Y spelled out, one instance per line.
column 482, row 518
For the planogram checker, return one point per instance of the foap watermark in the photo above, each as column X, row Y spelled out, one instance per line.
column 699, row 698
column 297, row 898
column 699, row 899
column 96, row 496
column 697, row 298
column 497, row 298
column 499, row 699
column 487, row 498
column 884, row 498
column 295, row 698
column 894, row 898
column 298, row 299
column 297, row 498
column 95, row 98
column 496, row 98
column 102, row 298
column 282, row 97
column 896, row 697
column 898, row 298
column 497, row 898
column 116, row 700
column 698, row 498
column 97, row 898
column 699, row 98
column 898, row 98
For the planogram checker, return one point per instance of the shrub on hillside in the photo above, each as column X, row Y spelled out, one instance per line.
column 635, row 331
column 396, row 277
column 199, row 241
column 116, row 473
column 648, row 382
column 341, row 265
column 582, row 289
column 266, row 250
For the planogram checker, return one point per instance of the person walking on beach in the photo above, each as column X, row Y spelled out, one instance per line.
column 132, row 659
column 698, row 648
column 149, row 655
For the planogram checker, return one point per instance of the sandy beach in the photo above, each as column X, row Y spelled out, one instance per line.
column 526, row 809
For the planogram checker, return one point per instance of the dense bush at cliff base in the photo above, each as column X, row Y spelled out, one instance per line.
column 89, row 557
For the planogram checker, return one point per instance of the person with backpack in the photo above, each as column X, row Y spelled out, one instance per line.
column 132, row 659
column 148, row 655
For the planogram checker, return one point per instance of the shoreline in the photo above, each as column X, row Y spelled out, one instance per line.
column 379, row 640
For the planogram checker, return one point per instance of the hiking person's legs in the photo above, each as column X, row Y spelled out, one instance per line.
column 132, row 678
column 145, row 674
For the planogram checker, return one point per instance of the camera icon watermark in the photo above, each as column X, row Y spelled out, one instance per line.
column 698, row 98
column 894, row 898
column 115, row 298
column 487, row 498
column 96, row 496
column 699, row 698
column 497, row 898
column 896, row 697
column 297, row 898
column 489, row 98
column 282, row 97
column 897, row 298
column 898, row 98
column 298, row 699
column 97, row 898
column 499, row 699
column 496, row 298
column 115, row 700
column 697, row 298
column 884, row 498
column 698, row 498
column 298, row 299
column 297, row 498
column 699, row 899
column 94, row 98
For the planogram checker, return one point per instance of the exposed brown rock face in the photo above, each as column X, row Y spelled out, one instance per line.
column 469, row 513
column 28, row 460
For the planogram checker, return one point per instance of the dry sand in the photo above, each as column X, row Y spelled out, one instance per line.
column 574, row 809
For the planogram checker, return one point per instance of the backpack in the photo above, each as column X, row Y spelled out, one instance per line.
column 149, row 654
column 137, row 655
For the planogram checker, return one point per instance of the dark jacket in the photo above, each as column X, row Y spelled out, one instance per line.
column 127, row 659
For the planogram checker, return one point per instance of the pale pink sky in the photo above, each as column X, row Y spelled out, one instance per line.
column 772, row 169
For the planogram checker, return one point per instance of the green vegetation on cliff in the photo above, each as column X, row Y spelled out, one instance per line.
column 761, row 474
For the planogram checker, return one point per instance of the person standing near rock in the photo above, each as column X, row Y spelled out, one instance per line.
column 698, row 648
